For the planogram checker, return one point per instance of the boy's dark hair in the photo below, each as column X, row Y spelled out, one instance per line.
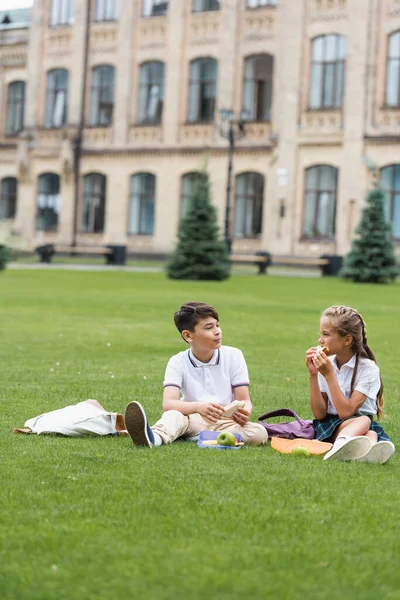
column 191, row 313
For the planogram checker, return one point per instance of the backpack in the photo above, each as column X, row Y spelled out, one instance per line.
column 288, row 429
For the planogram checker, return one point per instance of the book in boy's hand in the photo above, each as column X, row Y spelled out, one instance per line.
column 231, row 408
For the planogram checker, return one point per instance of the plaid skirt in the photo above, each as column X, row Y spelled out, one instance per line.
column 326, row 427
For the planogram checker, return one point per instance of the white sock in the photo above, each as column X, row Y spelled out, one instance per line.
column 157, row 439
column 340, row 440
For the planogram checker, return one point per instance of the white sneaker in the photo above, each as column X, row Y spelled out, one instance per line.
column 379, row 453
column 349, row 448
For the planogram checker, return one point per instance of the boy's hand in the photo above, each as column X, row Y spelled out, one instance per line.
column 210, row 411
column 241, row 416
column 310, row 354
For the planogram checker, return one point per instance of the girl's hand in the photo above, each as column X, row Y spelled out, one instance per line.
column 241, row 416
column 322, row 364
column 210, row 411
column 312, row 369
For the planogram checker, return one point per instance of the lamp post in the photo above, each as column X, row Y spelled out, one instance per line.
column 233, row 130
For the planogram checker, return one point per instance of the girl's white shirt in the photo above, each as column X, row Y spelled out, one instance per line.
column 367, row 382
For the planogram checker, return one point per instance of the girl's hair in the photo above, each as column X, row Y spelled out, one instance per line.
column 348, row 321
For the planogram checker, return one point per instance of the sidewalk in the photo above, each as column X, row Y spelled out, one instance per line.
column 274, row 271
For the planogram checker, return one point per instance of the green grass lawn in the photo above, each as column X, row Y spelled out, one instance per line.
column 99, row 519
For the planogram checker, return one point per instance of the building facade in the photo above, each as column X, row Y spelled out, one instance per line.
column 109, row 108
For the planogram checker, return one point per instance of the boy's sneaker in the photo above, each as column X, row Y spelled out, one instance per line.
column 137, row 425
column 349, row 448
column 379, row 453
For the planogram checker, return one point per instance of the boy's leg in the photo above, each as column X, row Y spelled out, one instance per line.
column 173, row 425
column 251, row 433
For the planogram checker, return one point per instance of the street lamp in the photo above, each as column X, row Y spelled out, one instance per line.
column 233, row 130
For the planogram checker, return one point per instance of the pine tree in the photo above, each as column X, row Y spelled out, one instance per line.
column 372, row 257
column 199, row 253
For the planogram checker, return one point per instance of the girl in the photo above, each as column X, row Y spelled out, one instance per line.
column 346, row 389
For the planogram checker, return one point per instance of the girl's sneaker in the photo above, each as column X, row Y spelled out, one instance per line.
column 349, row 448
column 138, row 426
column 379, row 453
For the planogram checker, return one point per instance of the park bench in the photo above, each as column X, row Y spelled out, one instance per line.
column 329, row 265
column 114, row 255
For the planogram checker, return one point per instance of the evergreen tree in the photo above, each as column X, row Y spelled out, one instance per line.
column 372, row 257
column 199, row 253
column 4, row 257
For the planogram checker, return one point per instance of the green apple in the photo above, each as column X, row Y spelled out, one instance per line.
column 301, row 451
column 226, row 438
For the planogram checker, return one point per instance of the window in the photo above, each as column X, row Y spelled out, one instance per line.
column 141, row 206
column 393, row 70
column 8, row 198
column 151, row 93
column 202, row 89
column 320, row 202
column 102, row 100
column 56, row 98
column 258, row 3
column 205, row 5
column 62, row 12
column 107, row 10
column 15, row 107
column 48, row 202
column 187, row 182
column 327, row 71
column 249, row 197
column 390, row 181
column 94, row 203
column 257, row 87
column 154, row 8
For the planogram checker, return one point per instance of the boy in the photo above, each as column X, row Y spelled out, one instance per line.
column 208, row 376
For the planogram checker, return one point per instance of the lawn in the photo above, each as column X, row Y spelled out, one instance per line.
column 99, row 519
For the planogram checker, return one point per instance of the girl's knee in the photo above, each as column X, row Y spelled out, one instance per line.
column 364, row 422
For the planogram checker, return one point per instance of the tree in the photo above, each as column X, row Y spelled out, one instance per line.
column 372, row 257
column 4, row 257
column 199, row 253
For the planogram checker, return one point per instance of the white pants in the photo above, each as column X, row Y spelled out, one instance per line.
column 173, row 425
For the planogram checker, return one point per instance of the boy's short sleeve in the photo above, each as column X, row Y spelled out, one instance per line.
column 173, row 373
column 239, row 371
column 368, row 381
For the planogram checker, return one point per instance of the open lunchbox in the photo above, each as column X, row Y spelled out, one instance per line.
column 207, row 436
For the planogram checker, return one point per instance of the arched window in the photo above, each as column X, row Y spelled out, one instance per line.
column 56, row 98
column 249, row 198
column 107, row 10
column 320, row 202
column 102, row 99
column 187, row 182
column 94, row 203
column 393, row 70
column 154, row 8
column 390, row 182
column 141, row 205
column 257, row 87
column 15, row 107
column 327, row 71
column 205, row 5
column 202, row 90
column 48, row 202
column 61, row 12
column 8, row 198
column 151, row 92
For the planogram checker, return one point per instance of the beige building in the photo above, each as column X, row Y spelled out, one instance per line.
column 105, row 120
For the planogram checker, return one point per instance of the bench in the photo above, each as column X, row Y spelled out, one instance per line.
column 329, row 264
column 114, row 255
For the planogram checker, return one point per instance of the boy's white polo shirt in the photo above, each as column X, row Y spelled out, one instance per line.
column 367, row 382
column 208, row 382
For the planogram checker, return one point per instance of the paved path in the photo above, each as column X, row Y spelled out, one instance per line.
column 285, row 272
